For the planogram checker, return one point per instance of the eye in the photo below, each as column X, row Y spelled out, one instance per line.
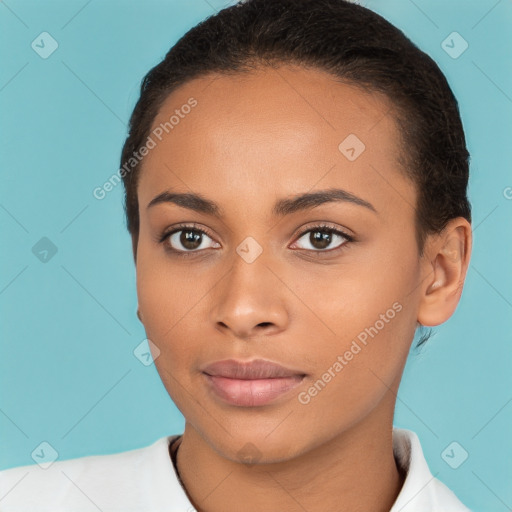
column 186, row 239
column 321, row 237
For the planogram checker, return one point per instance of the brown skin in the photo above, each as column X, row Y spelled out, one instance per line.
column 250, row 141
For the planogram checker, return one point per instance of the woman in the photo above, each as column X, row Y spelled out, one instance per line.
column 295, row 176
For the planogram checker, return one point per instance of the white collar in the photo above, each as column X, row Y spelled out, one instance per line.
column 421, row 491
column 145, row 479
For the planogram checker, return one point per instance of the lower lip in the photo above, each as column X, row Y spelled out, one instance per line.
column 254, row 392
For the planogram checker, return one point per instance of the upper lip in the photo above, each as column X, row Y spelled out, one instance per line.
column 246, row 370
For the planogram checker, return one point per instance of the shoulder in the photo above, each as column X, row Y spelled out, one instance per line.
column 81, row 484
column 421, row 491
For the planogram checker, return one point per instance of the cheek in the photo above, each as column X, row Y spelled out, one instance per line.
column 369, row 288
column 162, row 290
column 368, row 318
column 165, row 304
column 170, row 299
column 355, row 371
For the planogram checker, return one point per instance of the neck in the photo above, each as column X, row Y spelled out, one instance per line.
column 354, row 471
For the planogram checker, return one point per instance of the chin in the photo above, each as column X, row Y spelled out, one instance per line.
column 256, row 446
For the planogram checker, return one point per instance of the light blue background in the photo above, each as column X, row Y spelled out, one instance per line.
column 68, row 374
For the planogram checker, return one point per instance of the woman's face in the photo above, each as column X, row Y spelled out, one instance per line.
column 266, row 282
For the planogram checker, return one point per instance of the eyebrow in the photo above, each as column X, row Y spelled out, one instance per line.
column 282, row 207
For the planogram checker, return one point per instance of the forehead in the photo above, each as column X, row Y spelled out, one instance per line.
column 274, row 132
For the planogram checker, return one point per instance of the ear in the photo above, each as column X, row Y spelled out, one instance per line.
column 444, row 267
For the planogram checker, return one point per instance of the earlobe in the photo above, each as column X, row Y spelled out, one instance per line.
column 139, row 315
column 445, row 272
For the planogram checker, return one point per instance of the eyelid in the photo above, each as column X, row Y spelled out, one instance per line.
column 182, row 226
column 327, row 227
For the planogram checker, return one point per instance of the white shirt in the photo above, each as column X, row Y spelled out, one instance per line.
column 144, row 480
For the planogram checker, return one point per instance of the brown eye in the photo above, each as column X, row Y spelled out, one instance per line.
column 188, row 239
column 321, row 238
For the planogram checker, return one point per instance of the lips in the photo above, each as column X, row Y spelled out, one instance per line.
column 250, row 384
column 256, row 369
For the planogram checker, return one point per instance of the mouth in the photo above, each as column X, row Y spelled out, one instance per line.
column 250, row 384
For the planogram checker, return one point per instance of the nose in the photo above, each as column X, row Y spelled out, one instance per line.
column 250, row 301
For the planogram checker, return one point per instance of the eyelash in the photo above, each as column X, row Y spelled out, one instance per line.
column 192, row 227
